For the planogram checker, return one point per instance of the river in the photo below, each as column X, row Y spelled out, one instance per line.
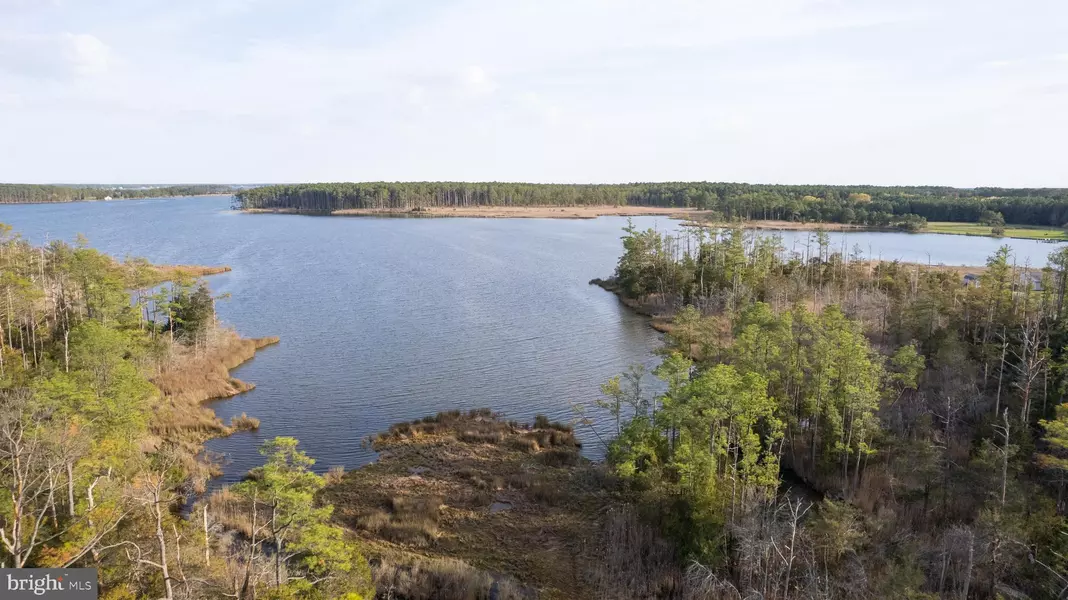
column 384, row 320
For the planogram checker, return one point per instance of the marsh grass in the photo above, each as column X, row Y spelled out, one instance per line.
column 429, row 498
column 243, row 422
column 449, row 579
column 194, row 376
column 334, row 475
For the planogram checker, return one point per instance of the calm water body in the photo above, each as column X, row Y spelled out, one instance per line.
column 384, row 320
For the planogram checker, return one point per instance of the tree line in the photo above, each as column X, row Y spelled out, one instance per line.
column 20, row 193
column 867, row 205
column 96, row 466
column 833, row 427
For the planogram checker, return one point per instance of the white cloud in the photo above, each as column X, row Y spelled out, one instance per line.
column 545, row 112
column 53, row 55
column 87, row 54
column 417, row 95
column 578, row 90
column 477, row 82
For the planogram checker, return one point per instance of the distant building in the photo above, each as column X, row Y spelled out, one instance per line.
column 1027, row 278
column 1032, row 278
column 107, row 197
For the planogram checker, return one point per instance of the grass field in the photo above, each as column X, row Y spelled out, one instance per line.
column 1030, row 232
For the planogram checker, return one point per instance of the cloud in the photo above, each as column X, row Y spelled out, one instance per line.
column 86, row 53
column 544, row 111
column 54, row 55
column 417, row 96
column 582, row 90
column 477, row 82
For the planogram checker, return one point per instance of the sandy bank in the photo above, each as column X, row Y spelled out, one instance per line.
column 507, row 212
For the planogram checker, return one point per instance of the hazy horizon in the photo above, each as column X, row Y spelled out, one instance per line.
column 473, row 182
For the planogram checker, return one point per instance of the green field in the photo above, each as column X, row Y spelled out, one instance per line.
column 1030, row 232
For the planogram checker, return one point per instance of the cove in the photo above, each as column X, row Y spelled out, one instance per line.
column 384, row 320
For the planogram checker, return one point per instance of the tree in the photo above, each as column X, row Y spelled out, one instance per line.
column 283, row 491
column 1054, row 460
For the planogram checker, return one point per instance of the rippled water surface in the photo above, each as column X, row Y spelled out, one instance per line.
column 385, row 320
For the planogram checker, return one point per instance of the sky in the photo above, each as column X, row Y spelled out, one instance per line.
column 936, row 92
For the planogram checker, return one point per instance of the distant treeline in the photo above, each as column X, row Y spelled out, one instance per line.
column 869, row 205
column 19, row 193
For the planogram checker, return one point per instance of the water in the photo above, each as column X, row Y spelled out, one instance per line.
column 384, row 320
column 924, row 248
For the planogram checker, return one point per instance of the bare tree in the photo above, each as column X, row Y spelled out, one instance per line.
column 29, row 465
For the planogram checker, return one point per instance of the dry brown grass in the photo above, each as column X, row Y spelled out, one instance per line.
column 444, row 579
column 334, row 475
column 411, row 521
column 162, row 273
column 244, row 422
column 231, row 511
column 429, row 497
column 524, row 444
column 197, row 375
column 481, row 437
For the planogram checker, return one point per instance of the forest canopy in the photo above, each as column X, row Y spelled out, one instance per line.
column 24, row 193
column 835, row 427
column 103, row 369
column 867, row 205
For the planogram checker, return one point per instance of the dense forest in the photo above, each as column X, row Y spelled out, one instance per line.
column 867, row 205
column 840, row 428
column 19, row 193
column 101, row 426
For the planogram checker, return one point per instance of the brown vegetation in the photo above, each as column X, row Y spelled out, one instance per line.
column 244, row 422
column 442, row 578
column 197, row 375
column 460, row 503
column 162, row 273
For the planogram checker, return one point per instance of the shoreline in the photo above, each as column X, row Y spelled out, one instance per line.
column 934, row 227
column 481, row 503
column 662, row 321
column 690, row 216
column 112, row 200
column 775, row 225
column 164, row 273
column 495, row 212
column 192, row 381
